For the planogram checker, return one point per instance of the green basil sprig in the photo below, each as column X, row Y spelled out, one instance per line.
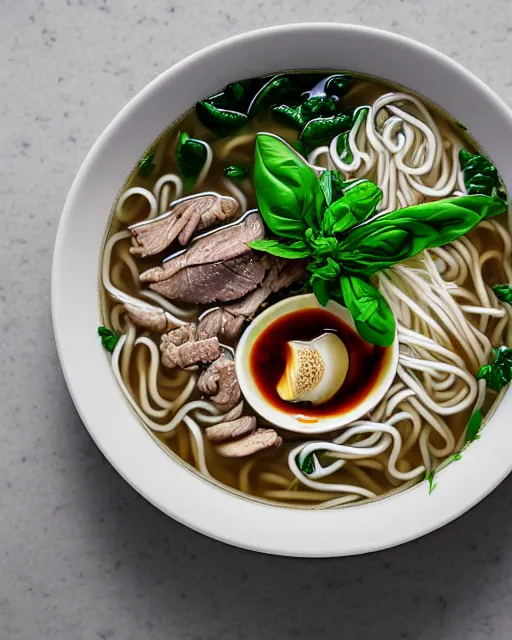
column 191, row 156
column 499, row 373
column 503, row 292
column 343, row 239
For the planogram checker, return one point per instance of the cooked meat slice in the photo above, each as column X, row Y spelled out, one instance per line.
column 225, row 244
column 185, row 217
column 149, row 317
column 222, row 324
column 220, row 382
column 235, row 413
column 186, row 333
column 246, row 446
column 226, row 322
column 231, row 430
column 188, row 353
column 221, row 281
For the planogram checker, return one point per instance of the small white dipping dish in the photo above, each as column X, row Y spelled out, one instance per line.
column 295, row 422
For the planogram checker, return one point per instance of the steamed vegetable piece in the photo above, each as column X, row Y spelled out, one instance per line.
column 499, row 372
column 191, row 156
column 344, row 241
column 108, row 337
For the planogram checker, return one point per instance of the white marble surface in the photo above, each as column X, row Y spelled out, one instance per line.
column 82, row 556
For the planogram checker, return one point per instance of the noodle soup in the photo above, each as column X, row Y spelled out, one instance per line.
column 325, row 182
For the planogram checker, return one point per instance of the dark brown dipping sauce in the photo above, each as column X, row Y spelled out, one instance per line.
column 268, row 358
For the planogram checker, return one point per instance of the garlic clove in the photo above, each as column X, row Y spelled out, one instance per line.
column 315, row 369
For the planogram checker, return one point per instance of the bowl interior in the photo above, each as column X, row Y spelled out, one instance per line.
column 101, row 404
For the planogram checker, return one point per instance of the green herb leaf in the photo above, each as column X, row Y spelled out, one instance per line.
column 298, row 249
column 318, row 107
column 358, row 203
column 322, row 130
column 235, row 172
column 337, row 85
column 191, row 156
column 474, row 424
column 328, row 270
column 503, row 292
column 372, row 316
column 499, row 373
column 277, row 89
column 396, row 236
column 321, row 291
column 290, row 115
column 429, row 477
column 108, row 338
column 332, row 185
column 289, row 196
column 222, row 121
column 480, row 175
column 342, row 144
column 307, row 465
column 459, row 124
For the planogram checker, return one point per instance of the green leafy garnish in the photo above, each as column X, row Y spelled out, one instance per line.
column 307, row 465
column 460, row 124
column 321, row 130
column 333, row 224
column 503, row 292
column 277, row 89
column 499, row 372
column 191, row 156
column 429, row 477
column 108, row 337
column 480, row 175
column 474, row 424
column 235, row 172
column 222, row 121
column 147, row 164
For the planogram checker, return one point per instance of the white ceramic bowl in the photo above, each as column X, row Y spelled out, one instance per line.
column 256, row 398
column 168, row 484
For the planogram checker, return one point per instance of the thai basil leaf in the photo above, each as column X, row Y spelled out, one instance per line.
column 191, row 156
column 322, row 130
column 321, row 245
column 222, row 121
column 480, row 175
column 396, row 236
column 298, row 249
column 318, row 107
column 290, row 115
column 277, row 89
column 503, row 292
column 328, row 271
column 108, row 338
column 474, row 424
column 372, row 316
column 358, row 203
column 499, row 373
column 289, row 196
column 332, row 185
column 321, row 291
column 235, row 172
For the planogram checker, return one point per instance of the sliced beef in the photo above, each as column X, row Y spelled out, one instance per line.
column 184, row 218
column 226, row 322
column 149, row 317
column 221, row 383
column 257, row 441
column 180, row 348
column 235, row 413
column 231, row 430
column 217, row 282
column 220, row 246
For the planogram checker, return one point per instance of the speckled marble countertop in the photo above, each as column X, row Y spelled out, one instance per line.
column 82, row 556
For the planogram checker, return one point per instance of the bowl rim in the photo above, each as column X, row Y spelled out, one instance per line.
column 286, row 421
column 199, row 504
